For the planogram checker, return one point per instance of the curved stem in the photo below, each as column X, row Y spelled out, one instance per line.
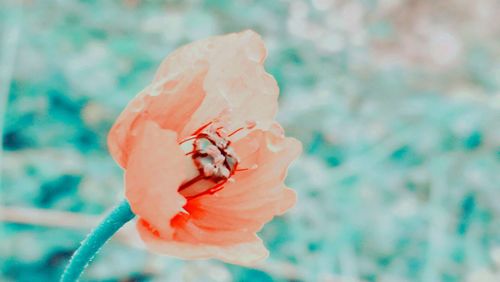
column 120, row 215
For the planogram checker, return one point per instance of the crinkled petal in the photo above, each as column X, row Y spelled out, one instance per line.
column 246, row 253
column 233, row 220
column 236, row 83
column 170, row 106
column 271, row 160
column 243, row 207
column 156, row 167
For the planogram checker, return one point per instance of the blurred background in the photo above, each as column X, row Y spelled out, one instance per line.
column 396, row 102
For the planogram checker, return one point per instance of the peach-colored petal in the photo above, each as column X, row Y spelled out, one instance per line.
column 274, row 154
column 250, row 216
column 265, row 182
column 289, row 199
column 243, row 207
column 118, row 137
column 246, row 253
column 171, row 108
column 236, row 81
column 156, row 167
column 186, row 231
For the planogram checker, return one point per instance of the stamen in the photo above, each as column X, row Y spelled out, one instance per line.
column 199, row 130
column 195, row 134
column 234, row 132
column 247, row 168
column 249, row 125
column 187, row 139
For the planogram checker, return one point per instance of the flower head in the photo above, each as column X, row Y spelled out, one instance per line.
column 204, row 158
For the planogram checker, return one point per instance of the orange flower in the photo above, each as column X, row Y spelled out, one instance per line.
column 204, row 158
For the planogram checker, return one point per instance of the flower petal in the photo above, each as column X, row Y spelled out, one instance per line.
column 243, row 207
column 171, row 108
column 272, row 157
column 247, row 253
column 236, row 83
column 156, row 167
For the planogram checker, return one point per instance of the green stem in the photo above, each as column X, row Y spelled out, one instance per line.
column 120, row 215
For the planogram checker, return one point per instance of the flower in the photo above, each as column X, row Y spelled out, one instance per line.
column 204, row 158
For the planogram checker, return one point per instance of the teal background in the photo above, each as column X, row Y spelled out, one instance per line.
column 396, row 102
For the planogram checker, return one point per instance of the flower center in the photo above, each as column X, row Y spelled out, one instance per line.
column 213, row 157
